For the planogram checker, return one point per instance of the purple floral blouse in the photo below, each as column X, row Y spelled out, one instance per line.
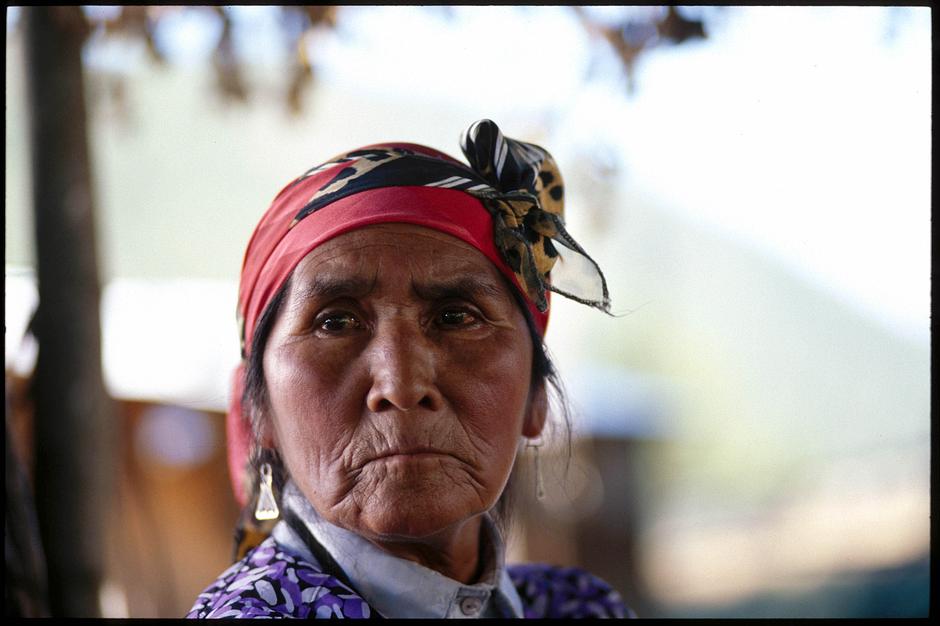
column 270, row 582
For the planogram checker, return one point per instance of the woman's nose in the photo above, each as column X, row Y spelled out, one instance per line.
column 403, row 370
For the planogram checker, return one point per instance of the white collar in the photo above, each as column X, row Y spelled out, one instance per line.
column 397, row 587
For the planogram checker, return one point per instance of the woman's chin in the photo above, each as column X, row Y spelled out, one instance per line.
column 414, row 514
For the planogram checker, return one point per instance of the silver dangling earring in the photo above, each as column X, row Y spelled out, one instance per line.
column 539, row 486
column 267, row 505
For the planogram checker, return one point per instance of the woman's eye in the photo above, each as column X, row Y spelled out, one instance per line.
column 338, row 322
column 456, row 318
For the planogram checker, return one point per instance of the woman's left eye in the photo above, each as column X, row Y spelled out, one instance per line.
column 456, row 318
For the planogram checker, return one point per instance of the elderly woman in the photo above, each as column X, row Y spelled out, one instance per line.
column 392, row 307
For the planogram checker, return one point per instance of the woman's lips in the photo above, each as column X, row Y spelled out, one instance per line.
column 411, row 453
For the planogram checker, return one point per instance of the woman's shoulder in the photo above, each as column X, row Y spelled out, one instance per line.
column 270, row 582
column 565, row 592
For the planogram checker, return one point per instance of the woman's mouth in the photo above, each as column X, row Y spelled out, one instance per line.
column 416, row 453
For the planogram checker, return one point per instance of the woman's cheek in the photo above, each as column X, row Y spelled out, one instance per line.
column 496, row 377
column 306, row 402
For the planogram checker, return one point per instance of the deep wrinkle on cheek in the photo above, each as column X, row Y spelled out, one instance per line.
column 320, row 459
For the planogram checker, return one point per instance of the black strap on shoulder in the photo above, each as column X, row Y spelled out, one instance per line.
column 327, row 563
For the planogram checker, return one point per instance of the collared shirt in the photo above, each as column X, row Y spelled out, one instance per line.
column 398, row 587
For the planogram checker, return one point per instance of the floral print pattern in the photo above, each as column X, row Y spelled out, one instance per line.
column 270, row 582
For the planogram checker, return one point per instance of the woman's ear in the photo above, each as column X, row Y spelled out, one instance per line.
column 267, row 438
column 536, row 413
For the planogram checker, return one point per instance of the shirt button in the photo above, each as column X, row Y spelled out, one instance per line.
column 470, row 605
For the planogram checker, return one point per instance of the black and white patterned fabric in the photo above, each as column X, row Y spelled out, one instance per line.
column 520, row 185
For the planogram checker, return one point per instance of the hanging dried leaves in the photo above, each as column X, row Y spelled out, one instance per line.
column 635, row 35
column 677, row 29
column 137, row 22
column 141, row 23
column 302, row 22
column 228, row 71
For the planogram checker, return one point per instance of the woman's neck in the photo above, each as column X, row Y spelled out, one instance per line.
column 454, row 552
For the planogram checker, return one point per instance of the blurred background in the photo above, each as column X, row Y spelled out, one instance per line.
column 751, row 431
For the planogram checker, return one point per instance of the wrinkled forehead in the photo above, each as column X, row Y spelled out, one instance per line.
column 432, row 262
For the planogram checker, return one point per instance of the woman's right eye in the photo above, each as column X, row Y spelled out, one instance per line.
column 338, row 322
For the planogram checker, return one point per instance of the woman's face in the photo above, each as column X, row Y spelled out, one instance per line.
column 398, row 376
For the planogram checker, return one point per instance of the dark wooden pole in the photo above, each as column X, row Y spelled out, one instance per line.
column 24, row 586
column 74, row 419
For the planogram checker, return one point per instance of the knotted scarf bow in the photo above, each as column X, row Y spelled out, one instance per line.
column 526, row 197
column 518, row 183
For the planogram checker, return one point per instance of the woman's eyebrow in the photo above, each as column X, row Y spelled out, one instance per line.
column 329, row 287
column 463, row 287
